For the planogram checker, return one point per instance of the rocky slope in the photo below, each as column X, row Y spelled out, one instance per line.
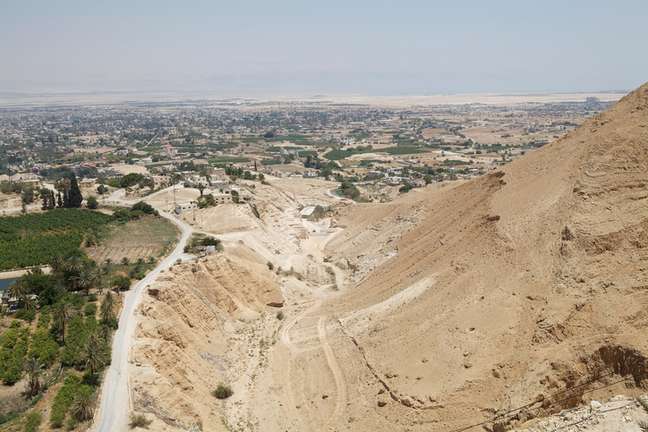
column 489, row 304
column 524, row 288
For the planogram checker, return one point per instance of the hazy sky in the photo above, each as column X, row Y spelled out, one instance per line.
column 323, row 47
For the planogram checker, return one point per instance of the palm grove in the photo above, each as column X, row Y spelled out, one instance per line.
column 58, row 331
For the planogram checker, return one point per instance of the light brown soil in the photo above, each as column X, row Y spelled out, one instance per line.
column 477, row 305
column 143, row 238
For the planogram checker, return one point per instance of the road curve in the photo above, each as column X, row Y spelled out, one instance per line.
column 115, row 405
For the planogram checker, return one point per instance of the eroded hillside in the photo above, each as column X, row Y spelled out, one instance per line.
column 535, row 284
column 482, row 304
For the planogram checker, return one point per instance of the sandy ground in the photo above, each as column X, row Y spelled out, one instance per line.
column 129, row 169
column 17, row 273
column 487, row 304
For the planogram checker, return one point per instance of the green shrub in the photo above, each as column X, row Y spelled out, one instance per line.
column 90, row 310
column 223, row 391
column 43, row 347
column 33, row 421
column 76, row 339
column 144, row 208
column 13, row 350
column 63, row 400
column 26, row 314
column 138, row 272
column 121, row 283
column 92, row 202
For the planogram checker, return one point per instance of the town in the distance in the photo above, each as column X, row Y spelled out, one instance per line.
column 337, row 216
column 372, row 151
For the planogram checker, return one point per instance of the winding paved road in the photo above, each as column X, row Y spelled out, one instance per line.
column 115, row 406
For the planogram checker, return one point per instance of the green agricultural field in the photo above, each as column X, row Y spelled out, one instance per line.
column 339, row 154
column 35, row 239
column 401, row 150
column 293, row 138
column 223, row 160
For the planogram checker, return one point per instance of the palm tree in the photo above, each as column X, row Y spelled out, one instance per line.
column 22, row 293
column 94, row 354
column 201, row 188
column 19, row 291
column 83, row 406
column 58, row 264
column 33, row 369
column 85, row 278
column 60, row 317
column 107, row 306
column 71, row 271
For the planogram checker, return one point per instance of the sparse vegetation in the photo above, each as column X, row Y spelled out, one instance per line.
column 349, row 190
column 139, row 421
column 32, row 422
column 200, row 242
column 222, row 391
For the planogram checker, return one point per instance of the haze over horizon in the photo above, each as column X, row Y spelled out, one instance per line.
column 293, row 48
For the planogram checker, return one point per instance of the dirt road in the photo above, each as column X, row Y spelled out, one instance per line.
column 115, row 402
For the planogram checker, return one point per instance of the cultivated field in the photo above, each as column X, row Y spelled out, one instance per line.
column 142, row 238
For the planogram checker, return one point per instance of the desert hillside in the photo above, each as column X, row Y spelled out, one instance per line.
column 489, row 303
column 520, row 285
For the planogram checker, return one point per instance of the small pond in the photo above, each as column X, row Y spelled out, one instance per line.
column 5, row 283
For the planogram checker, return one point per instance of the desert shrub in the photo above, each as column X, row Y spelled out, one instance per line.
column 144, row 208
column 222, row 391
column 405, row 188
column 139, row 421
column 280, row 315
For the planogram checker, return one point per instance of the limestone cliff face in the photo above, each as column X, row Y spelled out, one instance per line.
column 191, row 330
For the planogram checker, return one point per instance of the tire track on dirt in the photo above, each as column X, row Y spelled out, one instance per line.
column 338, row 376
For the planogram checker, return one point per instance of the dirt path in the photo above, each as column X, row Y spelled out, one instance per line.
column 302, row 335
column 115, row 402
column 338, row 376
